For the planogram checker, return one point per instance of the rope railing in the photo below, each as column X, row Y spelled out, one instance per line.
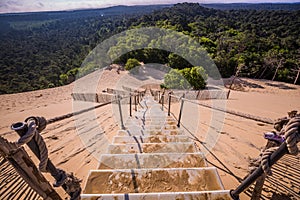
column 137, row 99
column 29, row 132
column 194, row 137
column 291, row 132
column 232, row 112
column 20, row 178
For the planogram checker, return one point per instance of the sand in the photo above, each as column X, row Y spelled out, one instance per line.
column 239, row 138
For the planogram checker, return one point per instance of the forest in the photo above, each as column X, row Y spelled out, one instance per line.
column 43, row 50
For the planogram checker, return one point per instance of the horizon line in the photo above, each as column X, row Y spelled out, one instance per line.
column 133, row 5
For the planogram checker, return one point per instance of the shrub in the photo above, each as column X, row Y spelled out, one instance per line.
column 175, row 80
column 196, row 77
column 186, row 78
column 131, row 63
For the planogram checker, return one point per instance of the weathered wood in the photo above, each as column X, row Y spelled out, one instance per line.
column 169, row 107
column 181, row 110
column 130, row 106
column 25, row 167
column 120, row 112
column 68, row 182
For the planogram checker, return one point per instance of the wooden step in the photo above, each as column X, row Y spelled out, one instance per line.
column 141, row 132
column 152, row 180
column 184, row 147
column 149, row 116
column 155, row 160
column 150, row 122
column 204, row 195
column 151, row 127
column 150, row 139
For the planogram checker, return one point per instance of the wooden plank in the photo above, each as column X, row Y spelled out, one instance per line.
column 24, row 166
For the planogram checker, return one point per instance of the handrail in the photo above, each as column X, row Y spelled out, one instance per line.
column 232, row 112
column 36, row 144
column 137, row 97
column 135, row 103
column 130, row 107
column 280, row 152
column 169, row 107
column 181, row 110
column 162, row 99
column 177, row 97
column 120, row 112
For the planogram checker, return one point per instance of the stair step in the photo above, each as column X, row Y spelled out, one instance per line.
column 136, row 127
column 141, row 132
column 153, row 117
column 153, row 180
column 150, row 122
column 158, row 120
column 155, row 160
column 184, row 147
column 150, row 139
column 204, row 195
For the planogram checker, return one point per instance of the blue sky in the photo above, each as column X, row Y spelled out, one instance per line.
column 7, row 6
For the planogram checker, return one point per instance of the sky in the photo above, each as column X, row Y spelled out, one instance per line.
column 11, row 6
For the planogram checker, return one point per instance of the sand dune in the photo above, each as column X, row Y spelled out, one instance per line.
column 74, row 146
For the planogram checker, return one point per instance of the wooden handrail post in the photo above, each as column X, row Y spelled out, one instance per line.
column 25, row 167
column 281, row 151
column 181, row 110
column 120, row 112
column 58, row 174
column 162, row 102
column 169, row 107
column 158, row 97
column 135, row 103
column 130, row 106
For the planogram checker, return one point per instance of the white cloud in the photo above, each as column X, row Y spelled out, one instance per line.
column 7, row 6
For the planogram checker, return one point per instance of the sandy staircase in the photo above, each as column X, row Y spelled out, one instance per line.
column 153, row 159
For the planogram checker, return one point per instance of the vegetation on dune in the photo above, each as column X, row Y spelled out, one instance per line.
column 187, row 78
column 131, row 63
column 40, row 51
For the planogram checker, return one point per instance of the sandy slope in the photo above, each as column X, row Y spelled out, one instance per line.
column 239, row 138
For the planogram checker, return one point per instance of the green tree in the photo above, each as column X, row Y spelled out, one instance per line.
column 197, row 77
column 72, row 74
column 176, row 61
column 175, row 80
column 63, row 79
column 131, row 63
column 186, row 78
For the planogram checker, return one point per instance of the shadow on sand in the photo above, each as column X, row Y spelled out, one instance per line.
column 281, row 86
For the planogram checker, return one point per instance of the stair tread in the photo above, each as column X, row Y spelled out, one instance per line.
column 150, row 139
column 151, row 160
column 151, row 126
column 153, row 180
column 173, row 147
column 205, row 195
column 142, row 132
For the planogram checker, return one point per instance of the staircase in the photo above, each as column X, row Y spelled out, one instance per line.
column 153, row 159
